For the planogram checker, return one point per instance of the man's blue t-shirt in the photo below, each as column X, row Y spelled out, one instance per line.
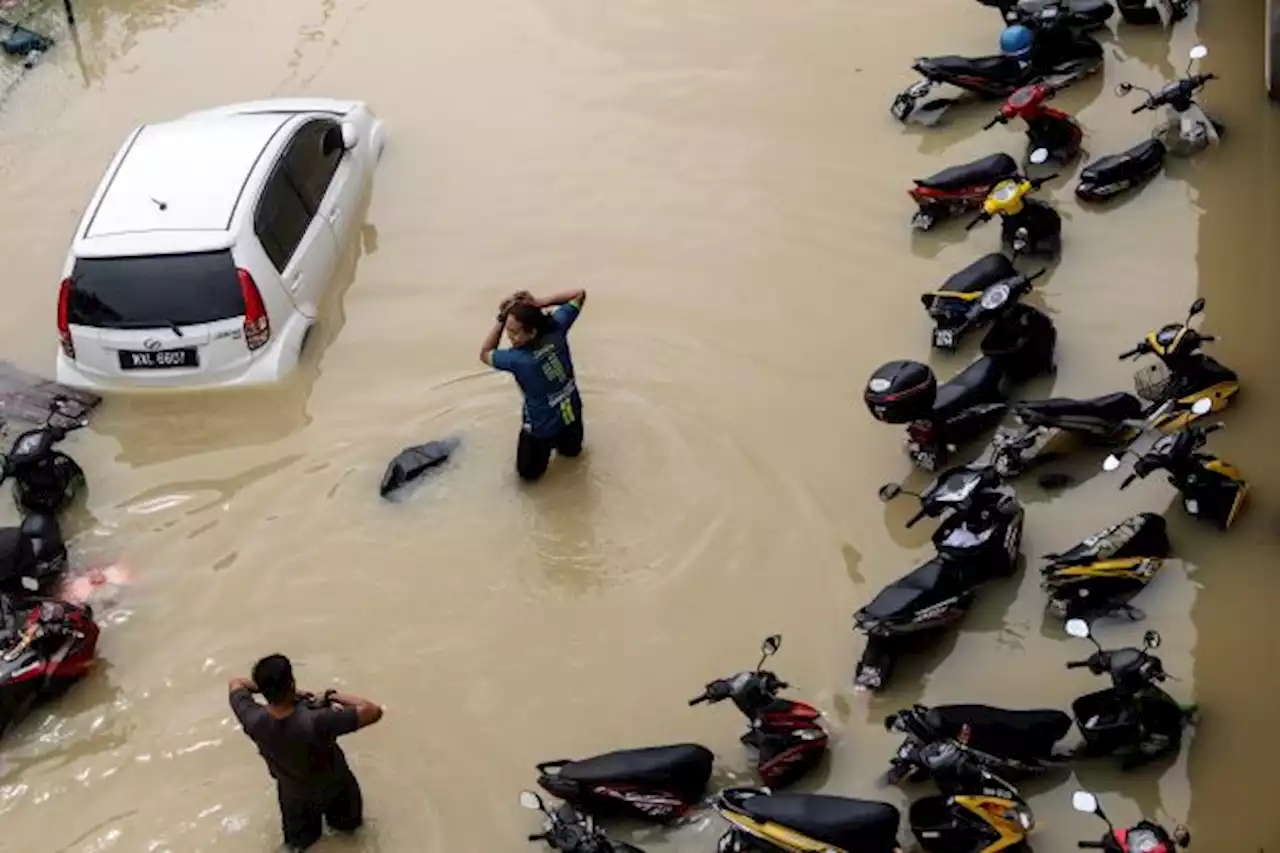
column 544, row 372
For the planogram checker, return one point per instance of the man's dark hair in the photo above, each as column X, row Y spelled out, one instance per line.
column 533, row 318
column 273, row 676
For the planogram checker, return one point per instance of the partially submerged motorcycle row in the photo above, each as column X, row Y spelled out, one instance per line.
column 1212, row 489
column 660, row 784
column 1133, row 719
column 1061, row 55
column 569, row 831
column 1145, row 836
column 1080, row 15
column 1103, row 572
column 788, row 737
column 979, row 540
column 1028, row 226
column 974, row 297
column 1186, row 130
column 763, row 822
column 1018, row 347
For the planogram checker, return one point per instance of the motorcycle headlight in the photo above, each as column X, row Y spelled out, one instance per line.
column 1023, row 818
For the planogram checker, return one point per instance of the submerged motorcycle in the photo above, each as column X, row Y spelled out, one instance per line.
column 788, row 737
column 1051, row 129
column 1102, row 573
column 976, row 811
column 33, row 556
column 1143, row 837
column 569, row 831
column 1018, row 347
column 763, row 822
column 1185, row 374
column 1133, row 719
column 45, row 480
column 1027, row 225
column 1212, row 490
column 975, row 296
column 1047, row 429
column 978, row 541
column 46, row 647
column 1080, row 15
column 1061, row 56
column 657, row 783
column 1186, row 131
column 1148, row 12
column 958, row 189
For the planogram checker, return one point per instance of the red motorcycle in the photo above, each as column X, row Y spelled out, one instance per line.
column 45, row 647
column 788, row 737
column 1048, row 128
column 958, row 189
column 1143, row 837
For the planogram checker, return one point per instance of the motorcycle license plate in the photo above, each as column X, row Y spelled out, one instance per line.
column 944, row 338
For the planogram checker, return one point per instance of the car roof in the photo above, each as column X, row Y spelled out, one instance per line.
column 183, row 175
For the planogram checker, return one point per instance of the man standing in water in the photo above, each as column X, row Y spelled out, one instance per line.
column 296, row 733
column 543, row 368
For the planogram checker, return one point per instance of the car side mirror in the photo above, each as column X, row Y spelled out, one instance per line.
column 889, row 491
column 350, row 138
column 1151, row 639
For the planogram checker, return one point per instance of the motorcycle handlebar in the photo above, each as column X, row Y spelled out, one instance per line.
column 1077, row 664
column 1204, row 339
column 978, row 220
column 542, row 836
column 1130, row 353
column 1091, row 845
column 1139, row 108
column 997, row 120
column 911, row 522
column 1124, row 484
column 1037, row 274
column 698, row 700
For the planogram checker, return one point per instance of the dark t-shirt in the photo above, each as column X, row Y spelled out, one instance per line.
column 301, row 750
column 544, row 372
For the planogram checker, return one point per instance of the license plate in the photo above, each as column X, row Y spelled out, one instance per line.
column 944, row 337
column 159, row 359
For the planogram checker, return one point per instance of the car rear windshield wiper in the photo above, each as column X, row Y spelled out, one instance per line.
column 153, row 324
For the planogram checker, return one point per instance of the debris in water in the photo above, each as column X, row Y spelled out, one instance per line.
column 412, row 462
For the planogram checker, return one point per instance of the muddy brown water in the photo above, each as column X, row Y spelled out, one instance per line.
column 725, row 179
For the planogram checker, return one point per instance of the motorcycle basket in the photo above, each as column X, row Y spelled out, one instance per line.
column 1153, row 382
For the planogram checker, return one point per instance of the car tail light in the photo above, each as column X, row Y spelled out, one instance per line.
column 64, row 324
column 257, row 325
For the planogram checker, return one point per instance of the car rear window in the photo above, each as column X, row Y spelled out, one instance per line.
column 154, row 291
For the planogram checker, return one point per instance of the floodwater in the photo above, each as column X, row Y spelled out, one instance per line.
column 725, row 179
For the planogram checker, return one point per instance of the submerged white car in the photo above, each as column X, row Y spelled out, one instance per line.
column 203, row 257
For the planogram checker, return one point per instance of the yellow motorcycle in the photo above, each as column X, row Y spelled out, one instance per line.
column 1184, row 374
column 1028, row 226
column 764, row 822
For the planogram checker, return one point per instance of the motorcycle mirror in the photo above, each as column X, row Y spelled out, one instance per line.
column 1196, row 308
column 1040, row 155
column 771, row 645
column 1083, row 801
column 1151, row 639
column 1203, row 406
column 1123, row 89
column 889, row 491
column 1078, row 628
column 1111, row 463
column 1182, row 836
column 531, row 801
column 1198, row 52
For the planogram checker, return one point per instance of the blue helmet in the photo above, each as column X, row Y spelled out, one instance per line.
column 1015, row 41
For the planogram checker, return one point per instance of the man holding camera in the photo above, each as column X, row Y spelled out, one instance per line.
column 297, row 734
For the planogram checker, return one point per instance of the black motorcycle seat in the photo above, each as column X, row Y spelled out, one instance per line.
column 686, row 764
column 1110, row 407
column 45, row 536
column 987, row 171
column 904, row 596
column 981, row 274
column 862, row 825
column 1137, row 159
column 17, row 557
column 1013, row 733
column 997, row 66
column 979, row 382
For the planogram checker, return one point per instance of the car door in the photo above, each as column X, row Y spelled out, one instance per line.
column 299, row 243
column 328, row 177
